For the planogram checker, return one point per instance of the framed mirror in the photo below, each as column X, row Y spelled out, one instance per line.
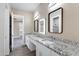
column 55, row 21
column 36, row 26
column 42, row 26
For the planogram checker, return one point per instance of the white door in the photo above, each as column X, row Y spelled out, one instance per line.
column 2, row 9
column 6, row 32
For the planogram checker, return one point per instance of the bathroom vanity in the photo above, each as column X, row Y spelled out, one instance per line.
column 42, row 50
column 51, row 46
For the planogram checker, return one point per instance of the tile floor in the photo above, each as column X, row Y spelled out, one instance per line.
column 22, row 51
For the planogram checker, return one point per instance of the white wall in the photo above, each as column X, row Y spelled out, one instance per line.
column 4, row 29
column 2, row 8
column 70, row 20
column 42, row 9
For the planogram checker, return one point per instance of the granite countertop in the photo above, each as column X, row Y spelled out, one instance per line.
column 61, row 47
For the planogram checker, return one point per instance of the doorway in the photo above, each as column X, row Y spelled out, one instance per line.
column 16, row 31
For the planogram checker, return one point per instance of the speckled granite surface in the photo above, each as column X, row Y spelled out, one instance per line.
column 60, row 46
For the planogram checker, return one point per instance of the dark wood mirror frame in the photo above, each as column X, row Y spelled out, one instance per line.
column 36, row 28
column 61, row 20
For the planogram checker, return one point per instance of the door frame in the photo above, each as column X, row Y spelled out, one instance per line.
column 10, row 32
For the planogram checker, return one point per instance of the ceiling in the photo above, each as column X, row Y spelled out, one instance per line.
column 24, row 6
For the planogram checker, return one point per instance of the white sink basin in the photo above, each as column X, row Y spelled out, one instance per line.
column 46, row 42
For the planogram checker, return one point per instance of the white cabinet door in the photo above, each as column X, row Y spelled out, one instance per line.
column 26, row 40
column 41, row 50
column 29, row 44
